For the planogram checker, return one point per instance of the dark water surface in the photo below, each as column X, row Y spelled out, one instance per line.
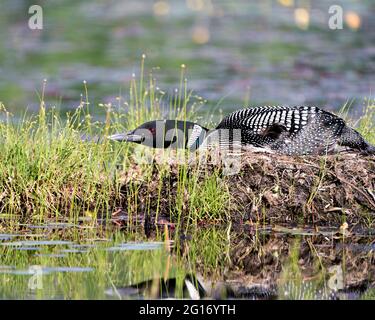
column 210, row 263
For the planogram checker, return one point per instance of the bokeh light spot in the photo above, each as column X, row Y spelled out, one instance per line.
column 161, row 8
column 286, row 3
column 353, row 20
column 201, row 35
column 302, row 18
column 196, row 5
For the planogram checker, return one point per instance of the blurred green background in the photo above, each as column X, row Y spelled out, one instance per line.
column 267, row 52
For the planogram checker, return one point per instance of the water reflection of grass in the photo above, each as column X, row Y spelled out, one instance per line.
column 91, row 269
column 107, row 270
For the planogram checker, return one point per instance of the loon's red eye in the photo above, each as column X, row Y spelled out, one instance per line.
column 153, row 131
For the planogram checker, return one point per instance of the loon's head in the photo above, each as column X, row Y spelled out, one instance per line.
column 164, row 134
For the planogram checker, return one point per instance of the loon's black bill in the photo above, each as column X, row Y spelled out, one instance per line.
column 127, row 137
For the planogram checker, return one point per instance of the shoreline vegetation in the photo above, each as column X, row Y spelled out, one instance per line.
column 48, row 174
column 48, row 170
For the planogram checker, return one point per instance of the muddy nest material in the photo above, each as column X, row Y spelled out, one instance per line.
column 267, row 189
column 324, row 190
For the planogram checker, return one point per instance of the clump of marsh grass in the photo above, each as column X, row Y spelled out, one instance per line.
column 49, row 172
column 366, row 123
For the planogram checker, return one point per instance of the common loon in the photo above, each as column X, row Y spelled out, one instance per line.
column 296, row 130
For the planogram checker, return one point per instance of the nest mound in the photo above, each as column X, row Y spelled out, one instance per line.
column 325, row 190
column 270, row 188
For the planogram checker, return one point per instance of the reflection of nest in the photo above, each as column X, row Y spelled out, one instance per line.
column 268, row 261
